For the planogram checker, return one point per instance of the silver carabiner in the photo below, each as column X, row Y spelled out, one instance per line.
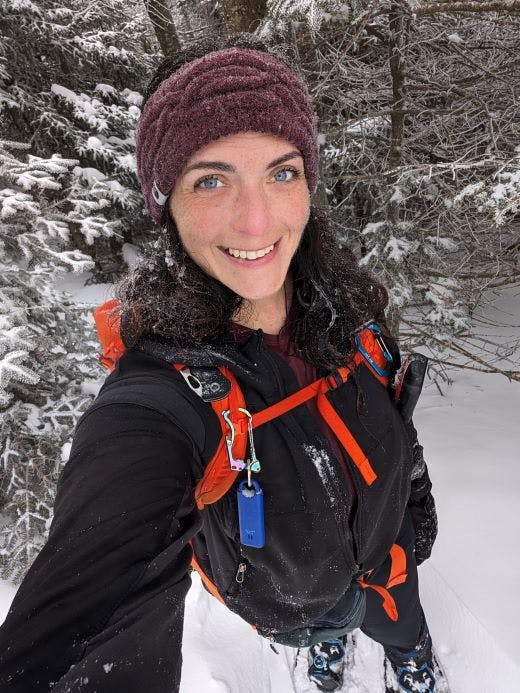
column 235, row 464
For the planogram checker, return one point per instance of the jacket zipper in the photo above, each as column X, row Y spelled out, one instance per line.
column 239, row 577
column 238, row 580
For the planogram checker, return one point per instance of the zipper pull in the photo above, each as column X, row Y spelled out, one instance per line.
column 239, row 577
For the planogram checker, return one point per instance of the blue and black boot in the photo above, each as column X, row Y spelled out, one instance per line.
column 326, row 660
column 414, row 668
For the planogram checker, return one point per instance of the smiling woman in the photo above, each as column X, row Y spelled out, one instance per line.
column 252, row 348
column 243, row 220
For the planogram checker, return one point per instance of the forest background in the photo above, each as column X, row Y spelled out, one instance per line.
column 420, row 141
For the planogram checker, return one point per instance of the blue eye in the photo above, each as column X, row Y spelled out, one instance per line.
column 208, row 183
column 286, row 174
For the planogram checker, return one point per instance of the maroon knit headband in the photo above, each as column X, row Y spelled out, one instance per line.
column 223, row 93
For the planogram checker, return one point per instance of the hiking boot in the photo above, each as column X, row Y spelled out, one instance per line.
column 415, row 680
column 326, row 664
column 414, row 668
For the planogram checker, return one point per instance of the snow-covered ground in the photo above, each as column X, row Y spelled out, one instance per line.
column 469, row 587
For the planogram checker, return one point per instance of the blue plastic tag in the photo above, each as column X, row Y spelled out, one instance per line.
column 251, row 514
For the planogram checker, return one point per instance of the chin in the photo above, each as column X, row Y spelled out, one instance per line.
column 255, row 295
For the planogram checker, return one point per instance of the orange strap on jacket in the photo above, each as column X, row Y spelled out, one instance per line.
column 397, row 576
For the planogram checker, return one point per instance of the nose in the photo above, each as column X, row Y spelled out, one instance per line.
column 252, row 212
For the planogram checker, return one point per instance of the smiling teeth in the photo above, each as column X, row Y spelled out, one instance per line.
column 250, row 254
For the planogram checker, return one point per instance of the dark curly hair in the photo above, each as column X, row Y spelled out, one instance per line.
column 169, row 295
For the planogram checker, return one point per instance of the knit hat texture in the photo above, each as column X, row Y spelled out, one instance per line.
column 224, row 92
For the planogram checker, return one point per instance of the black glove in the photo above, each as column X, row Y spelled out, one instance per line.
column 424, row 518
column 421, row 503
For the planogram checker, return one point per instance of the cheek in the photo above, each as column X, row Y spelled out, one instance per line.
column 196, row 238
column 299, row 205
column 299, row 216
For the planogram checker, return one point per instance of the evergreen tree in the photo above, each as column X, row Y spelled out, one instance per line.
column 43, row 345
column 70, row 77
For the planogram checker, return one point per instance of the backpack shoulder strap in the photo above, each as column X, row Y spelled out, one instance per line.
column 108, row 321
column 222, row 470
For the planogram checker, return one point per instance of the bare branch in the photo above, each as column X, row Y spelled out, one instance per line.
column 468, row 7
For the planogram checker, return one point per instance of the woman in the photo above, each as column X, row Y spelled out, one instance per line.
column 245, row 277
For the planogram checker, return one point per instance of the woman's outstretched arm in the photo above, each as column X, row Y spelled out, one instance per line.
column 101, row 609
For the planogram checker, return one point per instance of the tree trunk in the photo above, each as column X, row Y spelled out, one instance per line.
column 195, row 20
column 243, row 15
column 395, row 51
column 162, row 22
column 305, row 55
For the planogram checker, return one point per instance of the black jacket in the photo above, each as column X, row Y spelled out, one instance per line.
column 102, row 606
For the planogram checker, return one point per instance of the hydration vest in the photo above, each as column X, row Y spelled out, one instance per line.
column 237, row 423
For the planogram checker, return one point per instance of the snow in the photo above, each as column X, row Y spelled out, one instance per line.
column 105, row 89
column 474, row 466
column 132, row 97
column 23, row 6
column 65, row 451
column 83, row 292
column 131, row 255
column 7, row 592
column 89, row 174
column 94, row 143
column 320, row 460
column 367, row 124
column 454, row 38
column 469, row 588
column 397, row 248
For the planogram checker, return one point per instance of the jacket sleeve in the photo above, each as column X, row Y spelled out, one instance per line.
column 101, row 608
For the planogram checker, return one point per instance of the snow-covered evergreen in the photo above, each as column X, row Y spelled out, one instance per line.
column 43, row 345
column 70, row 78
column 70, row 81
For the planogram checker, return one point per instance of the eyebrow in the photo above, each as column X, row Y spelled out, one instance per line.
column 228, row 168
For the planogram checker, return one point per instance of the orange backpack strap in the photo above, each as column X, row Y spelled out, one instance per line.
column 108, row 321
column 397, row 576
column 346, row 438
column 208, row 584
column 218, row 475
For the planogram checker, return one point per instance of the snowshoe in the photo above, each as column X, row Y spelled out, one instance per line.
column 414, row 668
column 326, row 661
column 415, row 679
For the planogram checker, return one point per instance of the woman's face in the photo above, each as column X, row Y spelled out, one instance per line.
column 240, row 207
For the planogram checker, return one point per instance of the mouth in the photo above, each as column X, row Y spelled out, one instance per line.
column 250, row 254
